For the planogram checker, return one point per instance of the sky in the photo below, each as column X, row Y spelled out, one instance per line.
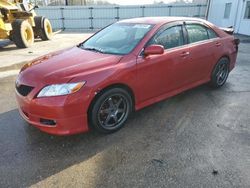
column 137, row 2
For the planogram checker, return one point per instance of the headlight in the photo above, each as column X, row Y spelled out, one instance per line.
column 60, row 89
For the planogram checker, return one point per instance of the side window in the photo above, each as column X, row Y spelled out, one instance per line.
column 169, row 38
column 196, row 33
column 211, row 33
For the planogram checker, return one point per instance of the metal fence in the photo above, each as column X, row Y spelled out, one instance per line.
column 95, row 17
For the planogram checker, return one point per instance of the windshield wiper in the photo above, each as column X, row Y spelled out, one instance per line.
column 93, row 49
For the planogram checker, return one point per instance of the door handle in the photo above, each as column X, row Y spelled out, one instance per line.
column 184, row 54
column 217, row 44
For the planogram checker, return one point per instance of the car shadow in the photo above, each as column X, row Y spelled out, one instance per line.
column 39, row 155
column 8, row 45
column 5, row 43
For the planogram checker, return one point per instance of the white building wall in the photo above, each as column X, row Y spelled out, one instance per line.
column 236, row 19
column 216, row 12
column 243, row 25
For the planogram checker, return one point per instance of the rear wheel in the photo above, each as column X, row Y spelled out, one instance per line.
column 220, row 73
column 22, row 33
column 43, row 28
column 111, row 110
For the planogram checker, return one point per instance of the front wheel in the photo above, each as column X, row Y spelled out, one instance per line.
column 111, row 110
column 220, row 73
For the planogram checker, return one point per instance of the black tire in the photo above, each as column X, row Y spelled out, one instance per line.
column 43, row 28
column 220, row 73
column 118, row 114
column 22, row 33
column 38, row 25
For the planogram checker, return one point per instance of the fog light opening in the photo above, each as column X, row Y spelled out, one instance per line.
column 48, row 122
column 26, row 114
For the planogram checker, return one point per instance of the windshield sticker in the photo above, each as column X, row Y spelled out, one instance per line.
column 144, row 26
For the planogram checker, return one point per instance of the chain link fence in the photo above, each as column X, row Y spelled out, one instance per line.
column 88, row 18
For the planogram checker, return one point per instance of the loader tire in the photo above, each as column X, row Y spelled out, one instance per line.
column 22, row 33
column 43, row 28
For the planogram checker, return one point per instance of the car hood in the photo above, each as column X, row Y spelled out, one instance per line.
column 62, row 66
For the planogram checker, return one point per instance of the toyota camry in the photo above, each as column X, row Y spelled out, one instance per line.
column 124, row 67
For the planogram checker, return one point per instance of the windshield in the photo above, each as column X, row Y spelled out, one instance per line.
column 118, row 38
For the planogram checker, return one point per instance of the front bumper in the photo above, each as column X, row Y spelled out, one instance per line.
column 68, row 112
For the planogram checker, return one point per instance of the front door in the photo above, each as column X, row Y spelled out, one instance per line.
column 160, row 74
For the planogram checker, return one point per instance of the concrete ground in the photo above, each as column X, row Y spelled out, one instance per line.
column 200, row 138
column 12, row 57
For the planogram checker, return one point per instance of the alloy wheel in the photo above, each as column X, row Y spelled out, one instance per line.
column 113, row 111
column 222, row 73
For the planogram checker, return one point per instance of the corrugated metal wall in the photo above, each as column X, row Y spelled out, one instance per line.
column 93, row 18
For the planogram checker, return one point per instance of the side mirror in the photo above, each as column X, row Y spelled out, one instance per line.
column 154, row 50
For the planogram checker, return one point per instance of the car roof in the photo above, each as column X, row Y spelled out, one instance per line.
column 159, row 20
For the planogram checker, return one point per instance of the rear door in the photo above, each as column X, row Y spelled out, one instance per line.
column 204, row 46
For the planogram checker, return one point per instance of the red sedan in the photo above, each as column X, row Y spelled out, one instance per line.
column 124, row 67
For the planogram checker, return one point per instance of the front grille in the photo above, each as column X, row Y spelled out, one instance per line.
column 24, row 90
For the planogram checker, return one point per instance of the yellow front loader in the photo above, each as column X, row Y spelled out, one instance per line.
column 19, row 23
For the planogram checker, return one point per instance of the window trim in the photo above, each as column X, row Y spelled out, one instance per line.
column 185, row 34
